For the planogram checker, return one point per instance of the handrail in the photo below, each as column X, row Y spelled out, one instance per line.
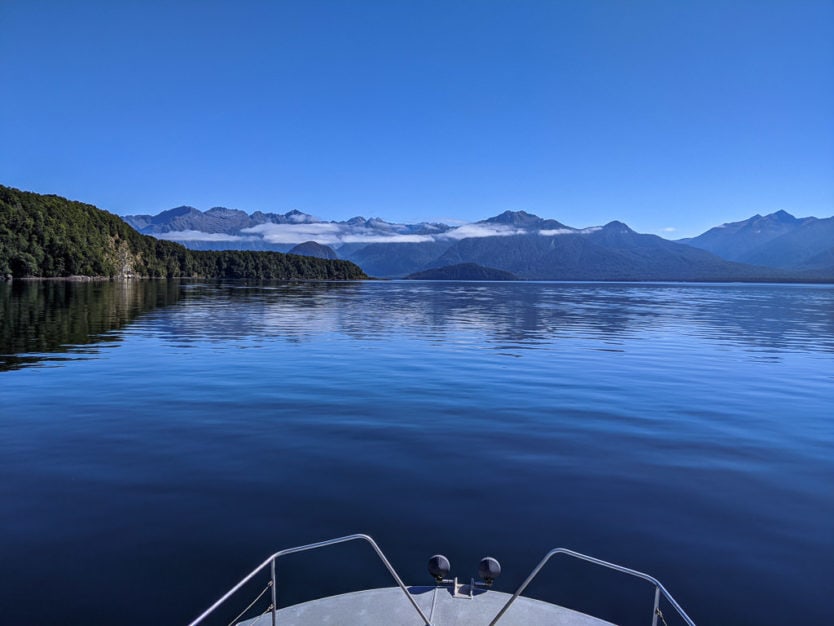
column 312, row 546
column 625, row 570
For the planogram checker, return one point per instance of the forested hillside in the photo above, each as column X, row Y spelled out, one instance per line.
column 47, row 236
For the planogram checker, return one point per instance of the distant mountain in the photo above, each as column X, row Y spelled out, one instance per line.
column 821, row 264
column 809, row 246
column 530, row 247
column 524, row 244
column 395, row 259
column 391, row 260
column 46, row 236
column 778, row 240
column 215, row 220
column 613, row 252
column 528, row 221
column 463, row 271
column 311, row 248
column 223, row 229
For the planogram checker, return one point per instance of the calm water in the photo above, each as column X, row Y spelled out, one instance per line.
column 158, row 440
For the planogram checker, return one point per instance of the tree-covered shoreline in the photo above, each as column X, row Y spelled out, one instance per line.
column 50, row 237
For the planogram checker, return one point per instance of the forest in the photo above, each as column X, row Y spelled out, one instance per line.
column 47, row 236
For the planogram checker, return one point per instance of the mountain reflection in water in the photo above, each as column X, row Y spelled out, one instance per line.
column 41, row 320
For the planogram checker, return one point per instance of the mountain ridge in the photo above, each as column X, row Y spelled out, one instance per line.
column 777, row 240
column 532, row 247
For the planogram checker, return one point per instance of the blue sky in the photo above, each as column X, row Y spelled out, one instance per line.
column 665, row 115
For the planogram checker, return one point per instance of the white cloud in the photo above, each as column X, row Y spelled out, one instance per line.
column 197, row 235
column 383, row 238
column 569, row 231
column 556, row 231
column 322, row 232
column 329, row 233
column 668, row 229
column 338, row 233
column 468, row 231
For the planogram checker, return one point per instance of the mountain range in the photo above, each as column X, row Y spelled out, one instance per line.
column 777, row 240
column 772, row 247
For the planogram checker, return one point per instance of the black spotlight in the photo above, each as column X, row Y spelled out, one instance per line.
column 439, row 567
column 489, row 569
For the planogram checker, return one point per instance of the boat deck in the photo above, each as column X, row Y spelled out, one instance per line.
column 390, row 606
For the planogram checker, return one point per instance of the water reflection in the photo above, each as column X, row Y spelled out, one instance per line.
column 765, row 318
column 55, row 320
column 547, row 409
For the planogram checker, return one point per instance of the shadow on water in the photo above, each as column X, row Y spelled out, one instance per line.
column 48, row 321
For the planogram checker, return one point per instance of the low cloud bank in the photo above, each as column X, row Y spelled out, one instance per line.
column 469, row 231
column 556, row 231
column 335, row 234
column 198, row 235
column 322, row 232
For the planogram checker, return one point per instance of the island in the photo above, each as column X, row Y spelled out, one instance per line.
column 463, row 271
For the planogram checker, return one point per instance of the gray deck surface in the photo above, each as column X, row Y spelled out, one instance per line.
column 390, row 606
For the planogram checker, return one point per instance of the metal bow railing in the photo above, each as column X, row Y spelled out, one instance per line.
column 659, row 589
column 271, row 562
column 313, row 546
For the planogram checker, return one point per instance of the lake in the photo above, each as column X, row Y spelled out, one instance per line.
column 158, row 440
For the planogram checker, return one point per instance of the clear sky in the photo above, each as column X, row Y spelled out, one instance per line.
column 665, row 115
